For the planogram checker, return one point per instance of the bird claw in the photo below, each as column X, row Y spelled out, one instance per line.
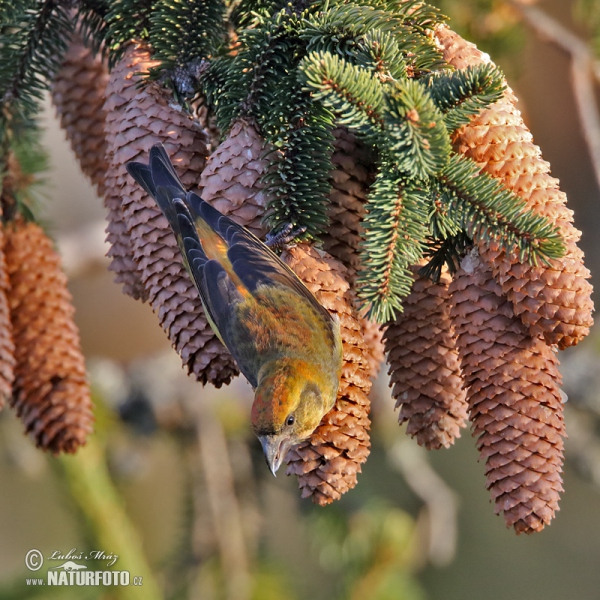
column 279, row 240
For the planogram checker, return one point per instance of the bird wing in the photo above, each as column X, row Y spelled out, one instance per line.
column 227, row 263
column 238, row 272
column 252, row 262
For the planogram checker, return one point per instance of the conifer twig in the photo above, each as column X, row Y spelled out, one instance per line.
column 584, row 69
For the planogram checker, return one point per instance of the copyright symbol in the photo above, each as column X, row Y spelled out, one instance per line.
column 34, row 560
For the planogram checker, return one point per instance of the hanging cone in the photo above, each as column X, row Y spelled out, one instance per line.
column 120, row 91
column 373, row 336
column 78, row 95
column 552, row 301
column 138, row 118
column 350, row 180
column 51, row 394
column 7, row 347
column 514, row 398
column 424, row 365
column 328, row 462
column 231, row 181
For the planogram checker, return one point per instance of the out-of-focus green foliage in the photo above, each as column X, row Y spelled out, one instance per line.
column 369, row 552
column 587, row 12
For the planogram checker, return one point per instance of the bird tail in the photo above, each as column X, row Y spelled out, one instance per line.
column 160, row 180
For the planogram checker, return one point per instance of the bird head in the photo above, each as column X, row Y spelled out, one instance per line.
column 291, row 398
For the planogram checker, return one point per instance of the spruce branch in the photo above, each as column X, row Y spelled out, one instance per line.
column 127, row 20
column 299, row 184
column 31, row 47
column 441, row 224
column 184, row 32
column 403, row 119
column 417, row 14
column 349, row 19
column 445, row 252
column 407, row 22
column 248, row 13
column 9, row 11
column 485, row 209
column 350, row 91
column 395, row 234
column 417, row 132
column 237, row 85
column 32, row 43
column 463, row 94
column 380, row 52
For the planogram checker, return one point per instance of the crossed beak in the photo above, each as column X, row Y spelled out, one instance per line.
column 275, row 448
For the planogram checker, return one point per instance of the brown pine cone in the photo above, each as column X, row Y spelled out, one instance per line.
column 424, row 365
column 373, row 336
column 514, row 397
column 231, row 181
column 120, row 91
column 78, row 95
column 552, row 301
column 51, row 394
column 350, row 180
column 140, row 117
column 7, row 346
column 328, row 462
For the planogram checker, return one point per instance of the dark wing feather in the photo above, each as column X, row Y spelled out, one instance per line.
column 222, row 297
column 160, row 181
column 219, row 294
column 163, row 172
column 253, row 262
column 143, row 175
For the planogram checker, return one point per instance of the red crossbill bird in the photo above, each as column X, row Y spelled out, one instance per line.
column 285, row 343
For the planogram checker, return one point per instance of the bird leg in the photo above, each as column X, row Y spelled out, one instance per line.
column 279, row 240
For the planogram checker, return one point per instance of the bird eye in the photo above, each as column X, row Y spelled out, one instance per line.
column 290, row 421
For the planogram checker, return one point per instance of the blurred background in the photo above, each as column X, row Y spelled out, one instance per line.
column 175, row 480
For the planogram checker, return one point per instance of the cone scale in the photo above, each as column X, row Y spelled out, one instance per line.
column 351, row 177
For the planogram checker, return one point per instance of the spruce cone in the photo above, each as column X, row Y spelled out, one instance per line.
column 552, row 301
column 139, row 118
column 78, row 95
column 424, row 365
column 350, row 180
column 51, row 394
column 120, row 91
column 7, row 347
column 514, row 399
column 373, row 336
column 231, row 181
column 328, row 462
